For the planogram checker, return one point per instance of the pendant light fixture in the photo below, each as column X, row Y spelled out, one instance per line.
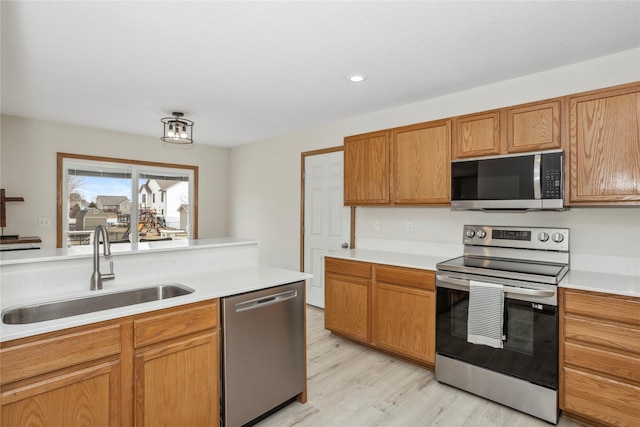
column 177, row 130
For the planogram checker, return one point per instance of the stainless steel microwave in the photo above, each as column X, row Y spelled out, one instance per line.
column 530, row 181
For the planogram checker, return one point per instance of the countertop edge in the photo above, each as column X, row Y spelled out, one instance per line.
column 52, row 255
column 207, row 286
column 616, row 284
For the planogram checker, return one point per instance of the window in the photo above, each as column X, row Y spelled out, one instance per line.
column 113, row 192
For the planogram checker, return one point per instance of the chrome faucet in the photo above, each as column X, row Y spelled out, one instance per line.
column 97, row 277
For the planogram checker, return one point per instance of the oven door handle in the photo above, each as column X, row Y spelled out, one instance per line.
column 508, row 289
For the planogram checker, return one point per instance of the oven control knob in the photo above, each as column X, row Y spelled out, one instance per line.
column 543, row 237
column 470, row 233
column 481, row 234
column 557, row 237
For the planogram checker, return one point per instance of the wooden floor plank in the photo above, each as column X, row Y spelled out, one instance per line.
column 350, row 385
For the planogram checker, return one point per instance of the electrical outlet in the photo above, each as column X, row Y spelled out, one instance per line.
column 410, row 226
column 44, row 222
column 376, row 225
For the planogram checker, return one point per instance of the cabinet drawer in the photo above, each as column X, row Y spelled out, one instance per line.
column 47, row 355
column 609, row 307
column 611, row 336
column 608, row 401
column 416, row 278
column 349, row 268
column 625, row 367
column 175, row 323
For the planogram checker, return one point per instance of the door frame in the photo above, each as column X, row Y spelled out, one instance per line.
column 303, row 156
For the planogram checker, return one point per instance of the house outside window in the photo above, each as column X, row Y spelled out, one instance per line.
column 116, row 194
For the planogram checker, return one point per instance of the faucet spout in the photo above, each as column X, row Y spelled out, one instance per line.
column 97, row 277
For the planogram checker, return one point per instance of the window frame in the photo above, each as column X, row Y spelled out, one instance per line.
column 61, row 185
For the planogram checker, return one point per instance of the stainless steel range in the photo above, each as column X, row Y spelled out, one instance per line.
column 497, row 316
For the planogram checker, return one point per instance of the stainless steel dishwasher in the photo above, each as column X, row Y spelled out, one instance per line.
column 262, row 351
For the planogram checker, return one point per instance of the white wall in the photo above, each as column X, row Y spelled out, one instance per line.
column 28, row 160
column 265, row 176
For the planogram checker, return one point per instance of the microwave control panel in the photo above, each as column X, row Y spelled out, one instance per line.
column 551, row 176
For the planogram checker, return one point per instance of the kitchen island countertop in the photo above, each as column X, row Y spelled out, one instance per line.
column 207, row 285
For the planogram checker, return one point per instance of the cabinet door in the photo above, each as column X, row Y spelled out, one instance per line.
column 404, row 321
column 477, row 135
column 608, row 401
column 347, row 306
column 177, row 383
column 605, row 146
column 533, row 127
column 75, row 398
column 421, row 163
column 366, row 169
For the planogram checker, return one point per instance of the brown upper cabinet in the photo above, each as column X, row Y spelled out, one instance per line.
column 366, row 169
column 604, row 144
column 420, row 163
column 598, row 130
column 518, row 129
column 477, row 135
column 533, row 127
column 406, row 165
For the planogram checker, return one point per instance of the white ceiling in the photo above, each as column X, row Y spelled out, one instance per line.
column 247, row 71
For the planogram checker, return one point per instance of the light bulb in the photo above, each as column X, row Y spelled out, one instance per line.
column 170, row 133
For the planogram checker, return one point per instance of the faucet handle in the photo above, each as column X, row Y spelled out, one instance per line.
column 110, row 275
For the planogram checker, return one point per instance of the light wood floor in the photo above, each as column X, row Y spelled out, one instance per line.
column 350, row 385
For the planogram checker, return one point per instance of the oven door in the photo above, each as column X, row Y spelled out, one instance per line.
column 530, row 351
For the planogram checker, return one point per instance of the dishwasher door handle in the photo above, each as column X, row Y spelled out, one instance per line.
column 266, row 300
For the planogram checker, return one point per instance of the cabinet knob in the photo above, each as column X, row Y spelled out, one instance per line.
column 345, row 245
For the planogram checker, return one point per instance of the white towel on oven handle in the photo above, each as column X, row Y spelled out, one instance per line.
column 486, row 314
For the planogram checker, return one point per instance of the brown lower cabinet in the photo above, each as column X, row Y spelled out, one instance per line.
column 600, row 358
column 386, row 307
column 153, row 369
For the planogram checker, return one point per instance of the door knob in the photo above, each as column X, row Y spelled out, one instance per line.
column 345, row 245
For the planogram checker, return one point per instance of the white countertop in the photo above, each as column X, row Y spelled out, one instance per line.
column 207, row 285
column 575, row 279
column 86, row 251
column 400, row 259
column 617, row 284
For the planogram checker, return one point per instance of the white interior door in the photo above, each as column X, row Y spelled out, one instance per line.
column 327, row 222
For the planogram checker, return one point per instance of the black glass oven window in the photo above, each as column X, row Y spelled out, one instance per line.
column 519, row 329
column 459, row 310
column 531, row 348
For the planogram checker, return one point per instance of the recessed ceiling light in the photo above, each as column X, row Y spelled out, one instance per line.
column 357, row 78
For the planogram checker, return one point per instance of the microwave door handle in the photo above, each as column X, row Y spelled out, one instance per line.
column 463, row 283
column 537, row 166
